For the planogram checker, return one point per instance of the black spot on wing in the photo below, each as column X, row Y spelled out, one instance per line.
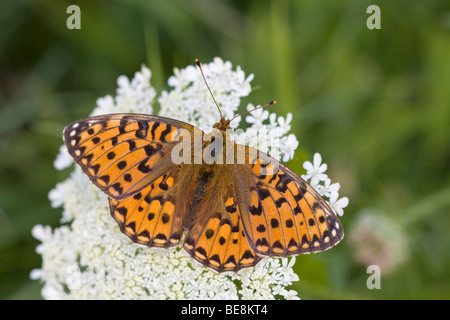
column 142, row 132
column 96, row 140
column 131, row 145
column 142, row 167
column 209, row 233
column 151, row 150
column 154, row 127
column 256, row 211
column 165, row 218
column 111, row 155
column 263, row 193
column 279, row 202
column 121, row 165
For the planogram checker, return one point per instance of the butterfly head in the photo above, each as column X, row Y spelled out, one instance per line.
column 222, row 125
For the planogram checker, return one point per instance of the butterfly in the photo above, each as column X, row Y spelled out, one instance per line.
column 234, row 212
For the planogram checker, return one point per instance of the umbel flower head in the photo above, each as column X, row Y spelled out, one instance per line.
column 88, row 257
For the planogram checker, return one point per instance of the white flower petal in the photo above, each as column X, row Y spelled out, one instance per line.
column 308, row 166
column 317, row 160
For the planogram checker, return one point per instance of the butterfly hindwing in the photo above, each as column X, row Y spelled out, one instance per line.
column 285, row 215
column 123, row 153
column 150, row 217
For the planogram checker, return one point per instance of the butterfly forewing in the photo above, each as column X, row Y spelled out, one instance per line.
column 123, row 153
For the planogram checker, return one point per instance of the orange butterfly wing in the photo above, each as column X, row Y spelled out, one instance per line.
column 123, row 153
column 128, row 156
column 285, row 215
column 149, row 217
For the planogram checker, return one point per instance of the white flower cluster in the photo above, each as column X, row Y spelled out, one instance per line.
column 271, row 138
column 190, row 101
column 135, row 96
column 89, row 258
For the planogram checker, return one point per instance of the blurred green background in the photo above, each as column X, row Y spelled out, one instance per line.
column 374, row 103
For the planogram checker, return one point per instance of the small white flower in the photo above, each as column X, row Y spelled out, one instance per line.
column 257, row 117
column 285, row 123
column 316, row 170
column 328, row 188
column 36, row 274
column 291, row 295
column 273, row 120
column 41, row 233
column 290, row 143
column 63, row 159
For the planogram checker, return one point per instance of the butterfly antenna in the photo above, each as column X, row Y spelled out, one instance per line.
column 201, row 70
column 266, row 105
